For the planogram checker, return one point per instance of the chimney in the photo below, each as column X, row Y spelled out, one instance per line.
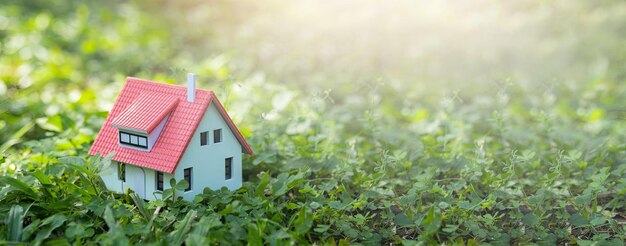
column 191, row 87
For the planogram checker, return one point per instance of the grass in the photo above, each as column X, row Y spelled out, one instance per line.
column 374, row 162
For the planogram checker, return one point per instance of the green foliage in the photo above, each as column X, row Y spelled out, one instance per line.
column 14, row 222
column 384, row 164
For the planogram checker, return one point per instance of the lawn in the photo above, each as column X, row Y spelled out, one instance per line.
column 475, row 123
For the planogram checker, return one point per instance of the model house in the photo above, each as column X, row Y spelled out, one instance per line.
column 160, row 131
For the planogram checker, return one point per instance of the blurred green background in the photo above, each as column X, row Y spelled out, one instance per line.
column 58, row 58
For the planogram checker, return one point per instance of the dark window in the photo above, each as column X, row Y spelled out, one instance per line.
column 133, row 139
column 159, row 181
column 121, row 171
column 217, row 136
column 187, row 176
column 204, row 138
column 228, row 165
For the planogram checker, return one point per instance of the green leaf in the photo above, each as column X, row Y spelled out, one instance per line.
column 408, row 200
column 432, row 222
column 182, row 185
column 154, row 215
column 466, row 205
column 15, row 222
column 73, row 160
column 115, row 235
column 43, row 178
column 578, row 220
column 104, row 163
column 597, row 221
column 183, row 228
column 343, row 242
column 315, row 205
column 280, row 186
column 15, row 138
column 53, row 123
column 167, row 194
column 254, row 235
column 141, row 206
column 49, row 224
column 337, row 205
column 274, row 238
column 402, row 219
column 321, row 228
column 291, row 205
column 108, row 217
column 530, row 219
column 57, row 242
column 450, row 228
column 472, row 242
column 263, row 183
column 583, row 199
column 30, row 230
column 409, row 242
column 304, row 221
column 74, row 230
column 18, row 185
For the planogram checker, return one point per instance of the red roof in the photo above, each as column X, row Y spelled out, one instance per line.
column 146, row 112
column 177, row 132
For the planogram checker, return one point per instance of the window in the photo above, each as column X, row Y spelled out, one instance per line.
column 159, row 181
column 143, row 142
column 228, row 164
column 187, row 177
column 204, row 138
column 133, row 140
column 121, row 171
column 217, row 136
column 124, row 137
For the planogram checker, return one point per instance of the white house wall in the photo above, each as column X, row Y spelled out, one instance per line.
column 110, row 178
column 208, row 161
column 113, row 183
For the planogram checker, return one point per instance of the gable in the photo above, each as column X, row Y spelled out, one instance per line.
column 245, row 148
column 207, row 158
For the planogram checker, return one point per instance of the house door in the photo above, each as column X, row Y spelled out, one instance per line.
column 140, row 183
